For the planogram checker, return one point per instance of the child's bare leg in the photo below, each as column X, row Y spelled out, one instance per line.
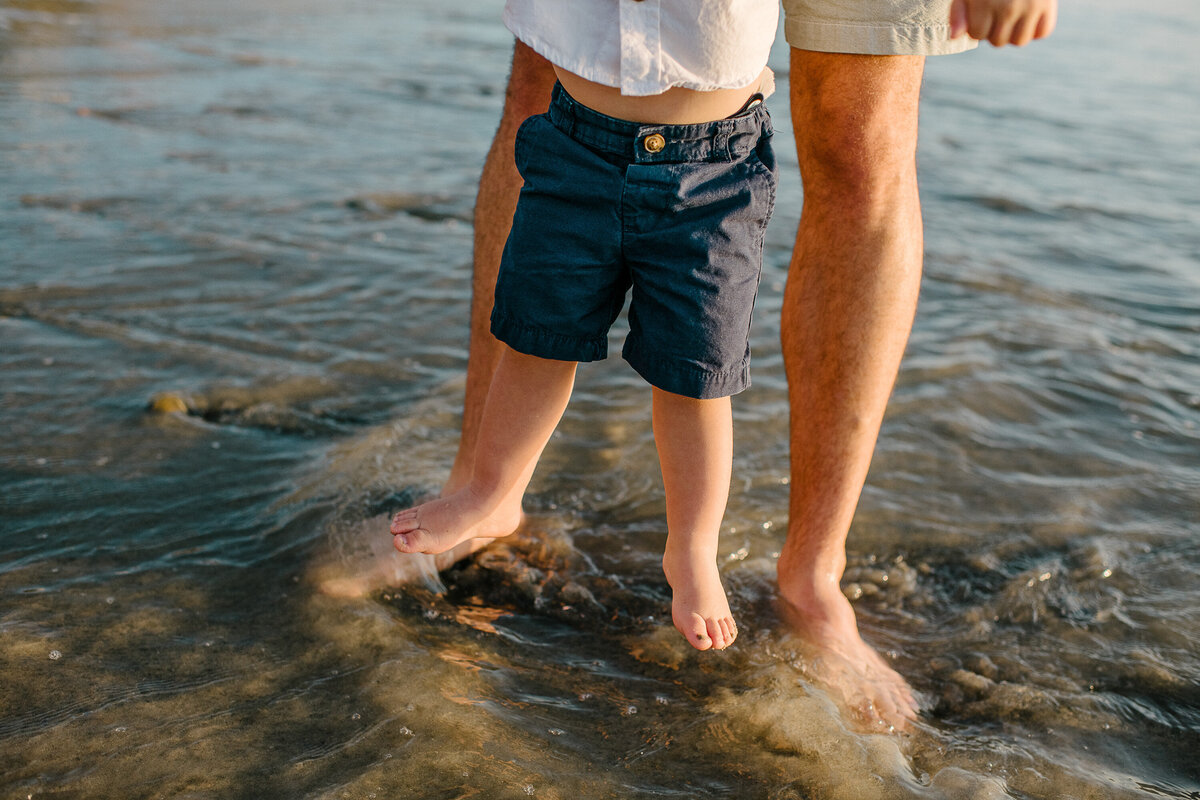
column 695, row 449
column 524, row 403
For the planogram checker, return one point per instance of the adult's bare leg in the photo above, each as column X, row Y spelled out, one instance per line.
column 528, row 93
column 848, row 309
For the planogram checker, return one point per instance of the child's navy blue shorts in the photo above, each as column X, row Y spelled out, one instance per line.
column 677, row 212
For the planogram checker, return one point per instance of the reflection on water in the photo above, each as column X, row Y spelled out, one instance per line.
column 234, row 242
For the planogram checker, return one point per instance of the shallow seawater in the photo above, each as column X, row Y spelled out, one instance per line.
column 234, row 261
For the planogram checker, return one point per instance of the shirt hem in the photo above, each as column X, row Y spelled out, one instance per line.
column 592, row 73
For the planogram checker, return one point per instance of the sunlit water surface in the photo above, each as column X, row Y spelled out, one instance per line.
column 257, row 217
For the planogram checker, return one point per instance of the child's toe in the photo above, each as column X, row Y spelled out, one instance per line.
column 410, row 541
column 697, row 633
column 729, row 629
column 717, row 634
column 404, row 522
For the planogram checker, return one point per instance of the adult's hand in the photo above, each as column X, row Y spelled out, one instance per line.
column 1001, row 22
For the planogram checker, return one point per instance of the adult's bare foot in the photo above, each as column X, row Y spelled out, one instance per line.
column 854, row 674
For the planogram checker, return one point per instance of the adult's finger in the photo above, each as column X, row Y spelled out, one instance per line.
column 1046, row 24
column 1023, row 30
column 958, row 18
column 979, row 21
column 1002, row 27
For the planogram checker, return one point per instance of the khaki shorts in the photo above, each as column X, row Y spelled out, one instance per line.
column 873, row 27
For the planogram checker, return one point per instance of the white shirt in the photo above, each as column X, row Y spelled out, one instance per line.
column 645, row 47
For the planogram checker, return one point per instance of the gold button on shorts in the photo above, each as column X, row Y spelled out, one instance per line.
column 654, row 143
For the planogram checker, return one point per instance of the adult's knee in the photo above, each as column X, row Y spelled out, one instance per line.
column 855, row 156
column 855, row 122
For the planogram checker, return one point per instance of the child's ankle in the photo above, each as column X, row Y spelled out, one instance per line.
column 487, row 496
column 690, row 552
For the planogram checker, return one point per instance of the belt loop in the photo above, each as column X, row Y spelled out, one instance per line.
column 721, row 145
column 566, row 107
column 568, row 110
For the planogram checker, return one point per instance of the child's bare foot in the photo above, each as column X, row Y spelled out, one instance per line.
column 363, row 562
column 699, row 607
column 442, row 524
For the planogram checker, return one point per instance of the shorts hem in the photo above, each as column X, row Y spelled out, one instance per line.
column 542, row 343
column 877, row 40
column 687, row 379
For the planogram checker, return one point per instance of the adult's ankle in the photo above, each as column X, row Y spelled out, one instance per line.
column 811, row 571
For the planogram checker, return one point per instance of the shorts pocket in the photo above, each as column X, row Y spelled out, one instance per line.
column 521, row 145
